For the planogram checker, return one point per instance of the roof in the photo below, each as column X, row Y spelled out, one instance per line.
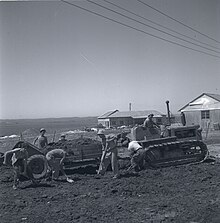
column 107, row 114
column 214, row 96
column 135, row 114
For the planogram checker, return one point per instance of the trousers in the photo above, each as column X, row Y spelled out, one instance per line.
column 111, row 157
column 138, row 159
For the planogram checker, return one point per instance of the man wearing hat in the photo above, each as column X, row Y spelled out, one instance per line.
column 151, row 125
column 109, row 154
column 41, row 140
column 122, row 139
column 63, row 141
column 62, row 138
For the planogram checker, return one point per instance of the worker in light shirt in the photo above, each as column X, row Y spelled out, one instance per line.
column 137, row 154
column 55, row 160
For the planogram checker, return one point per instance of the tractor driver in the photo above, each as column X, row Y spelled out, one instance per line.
column 151, row 125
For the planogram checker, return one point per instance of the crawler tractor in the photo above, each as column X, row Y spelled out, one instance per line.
column 176, row 145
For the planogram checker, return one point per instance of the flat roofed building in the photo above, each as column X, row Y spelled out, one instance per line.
column 129, row 118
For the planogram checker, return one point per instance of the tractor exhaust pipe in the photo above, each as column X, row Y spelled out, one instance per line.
column 168, row 113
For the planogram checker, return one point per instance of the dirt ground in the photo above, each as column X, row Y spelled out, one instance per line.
column 189, row 193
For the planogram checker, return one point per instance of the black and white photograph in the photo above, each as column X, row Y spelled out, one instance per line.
column 110, row 111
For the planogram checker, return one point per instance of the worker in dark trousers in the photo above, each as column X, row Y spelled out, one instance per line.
column 137, row 155
column 109, row 154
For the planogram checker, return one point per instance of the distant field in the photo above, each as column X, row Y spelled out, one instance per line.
column 30, row 129
column 17, row 126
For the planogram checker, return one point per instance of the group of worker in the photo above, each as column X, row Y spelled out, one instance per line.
column 53, row 156
column 110, row 144
column 18, row 159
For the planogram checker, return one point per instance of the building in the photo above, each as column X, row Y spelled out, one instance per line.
column 104, row 119
column 129, row 118
column 204, row 111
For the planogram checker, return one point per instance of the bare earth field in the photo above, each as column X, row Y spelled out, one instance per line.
column 189, row 193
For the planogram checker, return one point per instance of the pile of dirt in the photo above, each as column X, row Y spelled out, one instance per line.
column 74, row 145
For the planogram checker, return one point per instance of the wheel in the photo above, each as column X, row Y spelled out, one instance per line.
column 37, row 166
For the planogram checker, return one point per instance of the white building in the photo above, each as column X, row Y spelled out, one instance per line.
column 203, row 110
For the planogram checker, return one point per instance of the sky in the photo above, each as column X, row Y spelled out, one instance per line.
column 57, row 60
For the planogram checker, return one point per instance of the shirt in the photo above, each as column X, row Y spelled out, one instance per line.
column 110, row 145
column 18, row 153
column 133, row 146
column 149, row 123
column 41, row 141
column 55, row 153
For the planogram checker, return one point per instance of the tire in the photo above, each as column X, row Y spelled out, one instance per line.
column 37, row 166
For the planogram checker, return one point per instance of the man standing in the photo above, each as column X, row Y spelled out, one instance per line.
column 41, row 140
column 109, row 154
